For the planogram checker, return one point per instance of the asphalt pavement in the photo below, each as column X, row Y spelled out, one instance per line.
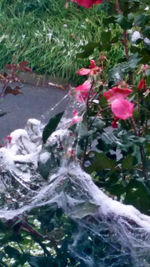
column 35, row 102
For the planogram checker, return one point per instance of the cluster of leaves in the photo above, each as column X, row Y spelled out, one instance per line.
column 134, row 17
column 47, row 239
column 37, row 242
column 118, row 159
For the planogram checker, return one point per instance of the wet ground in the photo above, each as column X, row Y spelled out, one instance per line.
column 33, row 103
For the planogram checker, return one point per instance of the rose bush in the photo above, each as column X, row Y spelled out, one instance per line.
column 118, row 96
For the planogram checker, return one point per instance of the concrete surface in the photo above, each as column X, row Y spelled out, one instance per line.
column 34, row 102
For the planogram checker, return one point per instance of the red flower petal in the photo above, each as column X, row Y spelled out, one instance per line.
column 122, row 108
column 87, row 3
column 85, row 87
column 92, row 64
column 93, row 69
column 82, row 91
column 117, row 92
column 114, row 124
column 122, row 91
column 142, row 84
column 108, row 94
column 83, row 71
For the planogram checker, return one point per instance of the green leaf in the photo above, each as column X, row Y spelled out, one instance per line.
column 133, row 62
column 127, row 163
column 101, row 162
column 147, row 165
column 116, row 74
column 145, row 55
column 148, row 149
column 146, row 31
column 141, row 20
column 137, row 194
column 124, row 22
column 2, row 254
column 12, row 252
column 119, row 71
column 40, row 261
column 82, row 130
column 147, row 44
column 108, row 20
column 129, row 6
column 103, row 102
column 88, row 50
column 131, row 17
column 105, row 37
column 97, row 123
column 51, row 126
column 108, row 8
column 147, row 72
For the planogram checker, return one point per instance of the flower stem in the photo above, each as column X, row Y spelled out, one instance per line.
column 141, row 150
column 134, row 126
column 118, row 7
column 125, row 40
column 87, row 123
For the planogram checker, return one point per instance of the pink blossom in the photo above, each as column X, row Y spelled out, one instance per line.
column 143, row 68
column 83, row 71
column 82, row 91
column 117, row 92
column 122, row 108
column 92, row 69
column 92, row 64
column 87, row 3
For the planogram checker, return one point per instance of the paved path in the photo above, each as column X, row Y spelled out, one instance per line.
column 34, row 102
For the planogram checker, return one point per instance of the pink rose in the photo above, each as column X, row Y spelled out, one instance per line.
column 122, row 108
column 82, row 91
column 87, row 3
column 92, row 69
column 117, row 92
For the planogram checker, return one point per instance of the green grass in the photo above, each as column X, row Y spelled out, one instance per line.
column 47, row 34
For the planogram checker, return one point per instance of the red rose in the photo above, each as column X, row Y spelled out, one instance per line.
column 142, row 84
column 120, row 106
column 87, row 3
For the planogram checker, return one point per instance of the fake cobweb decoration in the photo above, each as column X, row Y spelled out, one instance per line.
column 108, row 233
